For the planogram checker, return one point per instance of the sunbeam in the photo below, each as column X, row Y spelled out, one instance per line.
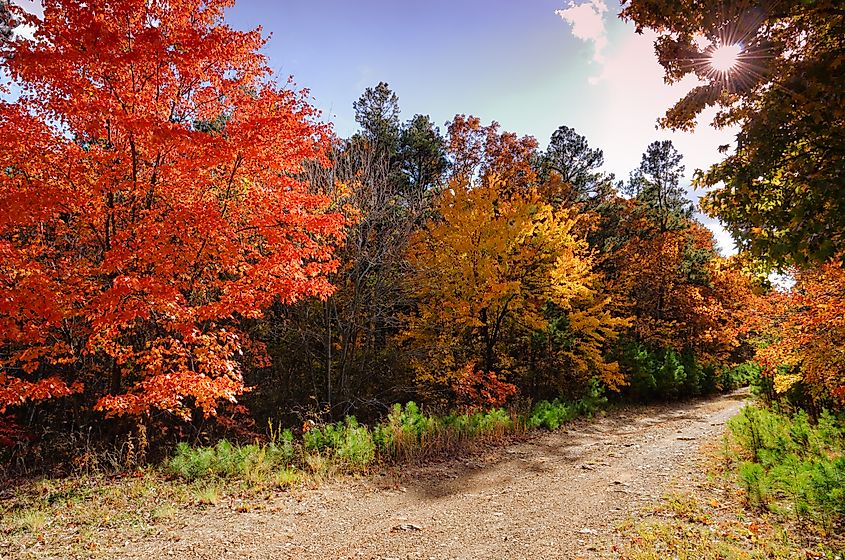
column 725, row 58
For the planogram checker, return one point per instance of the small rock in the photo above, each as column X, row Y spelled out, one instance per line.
column 406, row 527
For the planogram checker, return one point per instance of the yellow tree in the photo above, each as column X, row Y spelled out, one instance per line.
column 486, row 270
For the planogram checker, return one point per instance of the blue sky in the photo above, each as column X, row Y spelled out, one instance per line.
column 502, row 60
column 514, row 61
column 531, row 65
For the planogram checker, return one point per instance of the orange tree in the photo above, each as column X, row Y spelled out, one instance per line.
column 803, row 336
column 149, row 202
column 481, row 152
column 686, row 302
column 682, row 294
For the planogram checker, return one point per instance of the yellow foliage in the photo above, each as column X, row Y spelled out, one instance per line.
column 783, row 383
column 485, row 270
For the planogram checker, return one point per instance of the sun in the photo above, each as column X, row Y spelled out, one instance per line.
column 725, row 58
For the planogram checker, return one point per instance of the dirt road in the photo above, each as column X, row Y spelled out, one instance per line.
column 558, row 495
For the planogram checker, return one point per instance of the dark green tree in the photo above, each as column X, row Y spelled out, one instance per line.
column 377, row 113
column 422, row 153
column 656, row 184
column 570, row 156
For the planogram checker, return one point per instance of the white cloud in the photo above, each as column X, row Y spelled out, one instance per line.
column 587, row 21
column 723, row 238
column 25, row 31
column 634, row 95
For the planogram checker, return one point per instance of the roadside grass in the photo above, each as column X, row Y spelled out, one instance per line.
column 72, row 514
column 775, row 491
column 686, row 527
column 407, row 434
column 74, row 517
column 31, row 520
column 80, row 515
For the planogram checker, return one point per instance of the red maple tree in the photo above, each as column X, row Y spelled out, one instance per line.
column 150, row 200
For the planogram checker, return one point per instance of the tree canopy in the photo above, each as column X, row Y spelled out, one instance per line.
column 486, row 269
column 781, row 189
column 182, row 237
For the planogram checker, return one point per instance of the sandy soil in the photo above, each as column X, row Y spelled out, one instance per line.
column 555, row 495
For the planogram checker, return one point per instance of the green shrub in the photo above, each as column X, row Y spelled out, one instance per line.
column 192, row 463
column 654, row 374
column 827, row 486
column 406, row 432
column 493, row 423
column 320, row 438
column 551, row 415
column 742, row 375
column 791, row 464
column 348, row 442
column 355, row 446
column 660, row 373
column 594, row 401
column 281, row 449
column 764, row 434
column 253, row 463
column 753, row 479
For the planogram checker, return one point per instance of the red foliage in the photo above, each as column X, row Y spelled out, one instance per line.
column 12, row 433
column 150, row 200
column 478, row 390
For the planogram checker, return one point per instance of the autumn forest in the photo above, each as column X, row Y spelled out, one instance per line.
column 189, row 253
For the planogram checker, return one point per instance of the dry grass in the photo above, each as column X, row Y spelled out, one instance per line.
column 75, row 517
column 714, row 523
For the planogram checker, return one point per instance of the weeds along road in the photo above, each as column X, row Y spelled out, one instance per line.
column 556, row 495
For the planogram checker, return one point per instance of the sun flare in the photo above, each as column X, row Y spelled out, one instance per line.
column 725, row 57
